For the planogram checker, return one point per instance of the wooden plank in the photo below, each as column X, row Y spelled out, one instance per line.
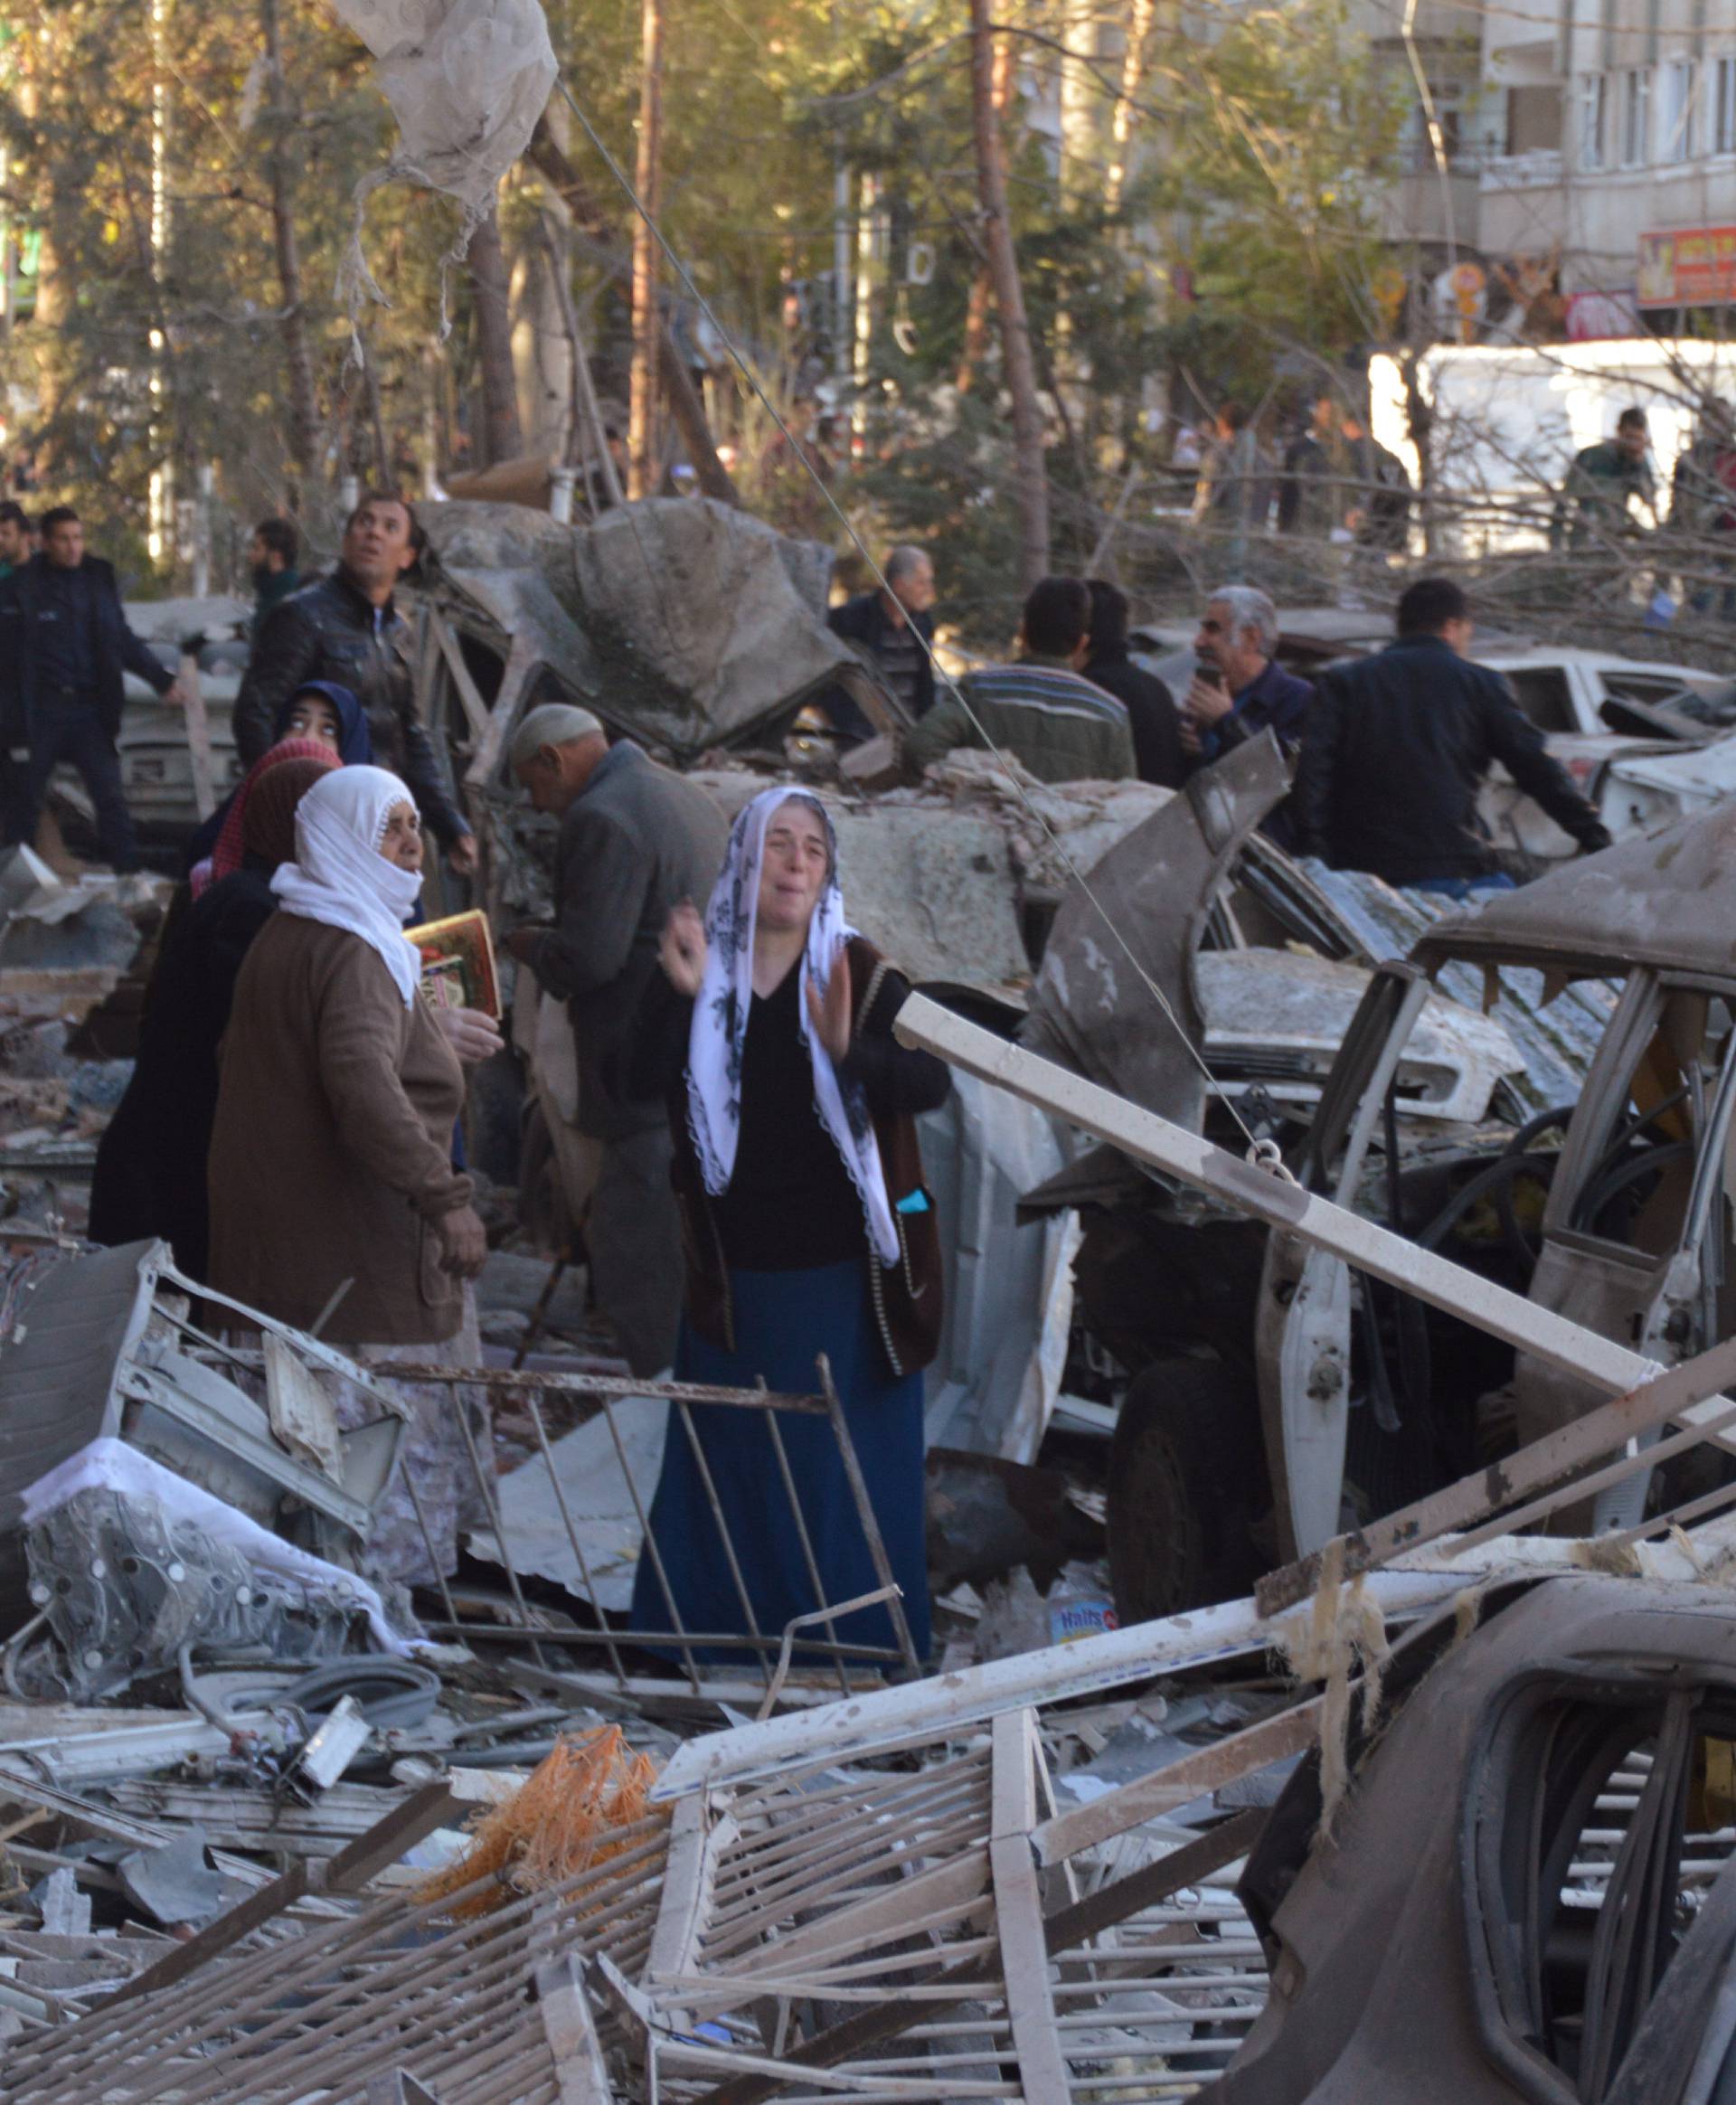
column 521, row 662
column 580, row 2073
column 442, row 1804
column 1559, row 1343
column 1018, row 1912
column 1070, row 1926
column 1554, row 1460
column 689, row 1877
column 475, row 708
column 1177, row 1782
column 204, row 785
column 221, row 1935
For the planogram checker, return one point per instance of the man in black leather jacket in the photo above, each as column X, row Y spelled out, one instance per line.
column 346, row 628
column 1397, row 749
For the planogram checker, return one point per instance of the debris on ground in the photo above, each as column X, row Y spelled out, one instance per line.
column 1254, row 1503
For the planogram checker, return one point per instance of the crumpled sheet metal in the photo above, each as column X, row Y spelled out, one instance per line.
column 1556, row 1039
column 1091, row 1009
column 686, row 623
column 1666, row 899
column 1009, row 1293
column 1402, row 1948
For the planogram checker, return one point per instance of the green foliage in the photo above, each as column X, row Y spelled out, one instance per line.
column 1252, row 160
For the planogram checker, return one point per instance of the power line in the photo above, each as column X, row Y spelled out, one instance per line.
column 1259, row 1150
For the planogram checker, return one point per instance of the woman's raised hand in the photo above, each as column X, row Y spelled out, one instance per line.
column 830, row 1013
column 681, row 951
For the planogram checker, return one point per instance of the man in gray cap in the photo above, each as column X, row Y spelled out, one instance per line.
column 635, row 841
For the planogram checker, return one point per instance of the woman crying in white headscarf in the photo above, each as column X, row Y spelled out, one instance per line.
column 807, row 1230
column 333, row 1201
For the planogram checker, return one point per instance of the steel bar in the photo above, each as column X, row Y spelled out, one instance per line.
column 697, row 1447
column 802, row 1537
column 1279, row 1202
column 650, row 1541
column 615, row 1388
column 1071, row 1925
column 572, row 1537
column 866, row 1515
column 485, row 1481
column 1558, row 1457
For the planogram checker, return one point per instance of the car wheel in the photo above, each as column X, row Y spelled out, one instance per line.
column 1187, row 1478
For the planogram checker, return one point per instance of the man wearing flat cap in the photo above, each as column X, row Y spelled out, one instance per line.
column 635, row 841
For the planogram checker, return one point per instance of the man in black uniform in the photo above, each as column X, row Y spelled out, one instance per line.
column 346, row 628
column 1399, row 744
column 64, row 644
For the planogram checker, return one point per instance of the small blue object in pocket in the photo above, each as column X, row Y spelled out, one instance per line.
column 916, row 1201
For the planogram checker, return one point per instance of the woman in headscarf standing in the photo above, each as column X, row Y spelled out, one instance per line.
column 333, row 1201
column 320, row 714
column 805, row 1230
column 150, row 1172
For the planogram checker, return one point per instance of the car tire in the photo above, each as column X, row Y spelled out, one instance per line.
column 1186, row 1479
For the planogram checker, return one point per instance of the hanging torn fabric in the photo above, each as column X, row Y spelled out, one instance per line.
column 466, row 80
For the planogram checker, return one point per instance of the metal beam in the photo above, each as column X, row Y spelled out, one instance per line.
column 888, row 1718
column 1265, row 1196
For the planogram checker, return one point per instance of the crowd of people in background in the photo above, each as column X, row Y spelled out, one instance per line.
column 732, row 1120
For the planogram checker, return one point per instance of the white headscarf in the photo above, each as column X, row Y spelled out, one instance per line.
column 340, row 877
column 719, row 1026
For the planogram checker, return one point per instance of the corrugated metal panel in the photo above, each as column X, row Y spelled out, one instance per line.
column 67, row 1326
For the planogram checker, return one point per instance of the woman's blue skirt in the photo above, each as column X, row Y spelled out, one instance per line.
column 783, row 1321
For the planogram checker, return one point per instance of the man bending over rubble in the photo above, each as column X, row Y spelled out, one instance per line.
column 635, row 841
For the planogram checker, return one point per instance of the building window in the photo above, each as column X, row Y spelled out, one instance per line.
column 1724, row 107
column 1676, row 118
column 1636, row 117
column 1593, row 108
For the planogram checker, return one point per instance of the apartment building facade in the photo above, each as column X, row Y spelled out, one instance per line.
column 1611, row 144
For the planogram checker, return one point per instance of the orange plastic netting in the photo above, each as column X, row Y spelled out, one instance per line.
column 568, row 1816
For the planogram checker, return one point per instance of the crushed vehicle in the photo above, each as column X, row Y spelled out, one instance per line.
column 1267, row 1397
column 1530, row 1894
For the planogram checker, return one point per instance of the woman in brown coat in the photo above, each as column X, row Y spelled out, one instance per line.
column 333, row 1201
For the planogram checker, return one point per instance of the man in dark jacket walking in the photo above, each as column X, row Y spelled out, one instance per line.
column 635, row 841
column 346, row 628
column 64, row 645
column 894, row 626
column 1151, row 708
column 1399, row 745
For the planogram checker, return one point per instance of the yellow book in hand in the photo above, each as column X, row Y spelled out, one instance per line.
column 458, row 962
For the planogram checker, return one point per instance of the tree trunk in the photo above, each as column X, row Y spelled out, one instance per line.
column 303, row 403
column 545, row 155
column 642, row 458
column 976, row 344
column 1031, row 489
column 1133, row 64
column 501, row 436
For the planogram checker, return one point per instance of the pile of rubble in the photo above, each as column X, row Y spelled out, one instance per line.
column 1329, row 1516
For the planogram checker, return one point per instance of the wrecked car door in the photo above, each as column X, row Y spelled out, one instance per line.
column 1634, row 1230
column 1303, row 1324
